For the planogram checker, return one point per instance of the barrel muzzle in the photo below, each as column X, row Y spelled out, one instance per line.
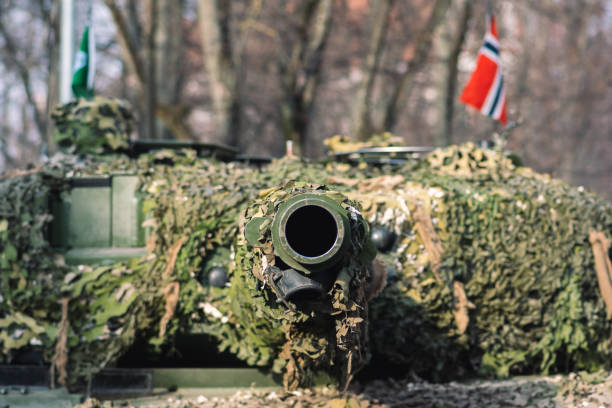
column 311, row 237
column 310, row 232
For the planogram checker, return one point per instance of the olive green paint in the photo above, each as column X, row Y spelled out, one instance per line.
column 89, row 217
column 126, row 214
column 94, row 256
column 211, row 377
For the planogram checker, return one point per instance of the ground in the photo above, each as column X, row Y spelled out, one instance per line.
column 567, row 391
column 574, row 390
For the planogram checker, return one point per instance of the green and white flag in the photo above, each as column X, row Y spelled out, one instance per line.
column 85, row 66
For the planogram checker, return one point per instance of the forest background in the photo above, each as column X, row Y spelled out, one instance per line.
column 254, row 73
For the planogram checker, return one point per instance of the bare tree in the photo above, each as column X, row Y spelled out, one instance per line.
column 130, row 43
column 150, row 89
column 450, row 82
column 169, row 39
column 362, row 105
column 28, row 43
column 7, row 157
column 577, row 87
column 51, row 17
column 221, row 67
column 128, row 38
column 152, row 48
column 257, row 72
column 300, row 74
column 396, row 102
column 11, row 56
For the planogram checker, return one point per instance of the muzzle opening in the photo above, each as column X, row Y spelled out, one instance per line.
column 311, row 231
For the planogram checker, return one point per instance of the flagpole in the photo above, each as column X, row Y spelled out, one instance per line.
column 66, row 50
column 507, row 127
column 92, row 48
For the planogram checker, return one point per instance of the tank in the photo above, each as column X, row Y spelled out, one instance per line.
column 443, row 262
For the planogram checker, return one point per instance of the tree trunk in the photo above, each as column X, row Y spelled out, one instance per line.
column 527, row 37
column 150, row 89
column 53, row 74
column 23, row 72
column 300, row 77
column 129, row 39
column 128, row 42
column 152, row 52
column 362, row 106
column 450, row 88
column 530, row 42
column 576, row 117
column 395, row 104
column 214, row 20
column 169, row 54
column 7, row 159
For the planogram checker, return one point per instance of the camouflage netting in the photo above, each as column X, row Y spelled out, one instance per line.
column 35, row 282
column 495, row 271
column 340, row 144
column 193, row 207
column 29, row 270
column 104, row 304
column 492, row 269
column 95, row 125
column 255, row 322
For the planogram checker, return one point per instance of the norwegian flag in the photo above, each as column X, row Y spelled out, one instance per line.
column 485, row 89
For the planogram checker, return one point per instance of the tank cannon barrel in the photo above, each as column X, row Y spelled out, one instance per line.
column 310, row 232
column 304, row 273
column 311, row 235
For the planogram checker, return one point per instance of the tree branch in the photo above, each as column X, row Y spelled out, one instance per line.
column 24, row 73
column 396, row 102
column 127, row 44
column 150, row 88
column 214, row 19
column 362, row 105
column 300, row 76
column 451, row 74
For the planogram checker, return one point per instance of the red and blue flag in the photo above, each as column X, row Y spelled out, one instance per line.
column 485, row 89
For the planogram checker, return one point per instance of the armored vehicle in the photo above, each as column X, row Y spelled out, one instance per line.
column 443, row 263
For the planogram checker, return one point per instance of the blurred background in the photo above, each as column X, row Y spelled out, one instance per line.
column 254, row 73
